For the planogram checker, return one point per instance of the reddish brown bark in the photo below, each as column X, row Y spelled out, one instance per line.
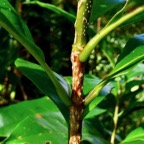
column 76, row 110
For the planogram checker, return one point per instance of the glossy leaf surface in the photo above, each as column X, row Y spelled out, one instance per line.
column 131, row 55
column 13, row 114
column 99, row 94
column 135, row 137
column 39, row 77
column 48, row 127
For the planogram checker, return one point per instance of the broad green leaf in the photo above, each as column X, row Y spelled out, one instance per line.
column 11, row 115
column 135, row 137
column 96, row 95
column 99, row 8
column 53, row 8
column 95, row 112
column 41, row 128
column 131, row 55
column 13, row 23
column 39, row 77
column 90, row 81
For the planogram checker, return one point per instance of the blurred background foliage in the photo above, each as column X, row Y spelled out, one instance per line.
column 54, row 34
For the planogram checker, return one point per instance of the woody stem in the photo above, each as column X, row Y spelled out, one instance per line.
column 80, row 40
column 76, row 110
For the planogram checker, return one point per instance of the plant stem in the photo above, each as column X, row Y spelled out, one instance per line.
column 116, row 112
column 115, row 120
column 76, row 110
column 106, row 30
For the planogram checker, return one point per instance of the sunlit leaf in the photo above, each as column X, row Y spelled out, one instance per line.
column 131, row 55
column 137, row 71
column 11, row 115
column 135, row 137
column 95, row 112
column 48, row 127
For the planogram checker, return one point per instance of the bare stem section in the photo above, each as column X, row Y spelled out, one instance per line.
column 115, row 119
column 76, row 110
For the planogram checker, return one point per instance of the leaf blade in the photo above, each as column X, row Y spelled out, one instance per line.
column 131, row 55
column 99, row 8
column 39, row 77
column 136, row 136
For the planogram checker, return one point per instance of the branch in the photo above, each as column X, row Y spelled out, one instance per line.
column 106, row 30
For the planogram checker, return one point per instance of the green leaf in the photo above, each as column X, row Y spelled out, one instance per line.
column 53, row 8
column 48, row 127
column 39, row 77
column 127, row 9
column 96, row 95
column 13, row 23
column 11, row 115
column 90, row 81
column 131, row 55
column 99, row 8
column 95, row 112
column 135, row 137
